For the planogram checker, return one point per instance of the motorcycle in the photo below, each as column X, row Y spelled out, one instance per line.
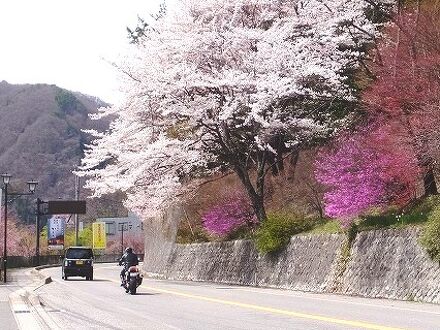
column 133, row 279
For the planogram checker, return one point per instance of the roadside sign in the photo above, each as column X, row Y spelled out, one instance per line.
column 99, row 238
column 66, row 207
column 55, row 232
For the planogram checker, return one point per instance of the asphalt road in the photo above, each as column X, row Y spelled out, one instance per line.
column 102, row 304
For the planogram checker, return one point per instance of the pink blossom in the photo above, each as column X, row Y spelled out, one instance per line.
column 366, row 169
column 228, row 216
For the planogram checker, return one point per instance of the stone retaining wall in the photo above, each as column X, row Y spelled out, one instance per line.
column 307, row 264
column 391, row 264
column 386, row 263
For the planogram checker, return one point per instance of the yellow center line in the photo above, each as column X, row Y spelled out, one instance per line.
column 356, row 324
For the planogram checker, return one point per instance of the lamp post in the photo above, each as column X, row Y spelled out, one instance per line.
column 123, row 226
column 39, row 202
column 5, row 178
column 32, row 186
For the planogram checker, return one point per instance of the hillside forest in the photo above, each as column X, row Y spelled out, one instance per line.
column 42, row 139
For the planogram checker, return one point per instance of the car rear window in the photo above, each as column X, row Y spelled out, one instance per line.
column 79, row 254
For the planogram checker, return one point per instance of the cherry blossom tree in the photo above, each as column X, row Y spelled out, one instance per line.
column 228, row 85
column 20, row 239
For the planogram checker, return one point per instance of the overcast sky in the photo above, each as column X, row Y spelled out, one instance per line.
column 63, row 42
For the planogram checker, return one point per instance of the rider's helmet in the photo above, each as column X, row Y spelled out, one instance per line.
column 129, row 250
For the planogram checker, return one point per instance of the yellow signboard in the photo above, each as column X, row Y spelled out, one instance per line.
column 99, row 238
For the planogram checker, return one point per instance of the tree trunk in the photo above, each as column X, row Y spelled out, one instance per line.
column 257, row 198
column 259, row 209
column 293, row 162
column 276, row 161
column 255, row 193
column 429, row 183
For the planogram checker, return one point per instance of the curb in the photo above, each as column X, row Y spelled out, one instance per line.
column 34, row 300
column 26, row 306
column 24, row 314
column 47, row 266
column 35, row 272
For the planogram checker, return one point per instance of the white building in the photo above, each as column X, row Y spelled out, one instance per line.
column 114, row 226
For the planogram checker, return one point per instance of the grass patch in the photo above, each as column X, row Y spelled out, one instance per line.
column 430, row 238
column 392, row 220
column 417, row 214
column 326, row 226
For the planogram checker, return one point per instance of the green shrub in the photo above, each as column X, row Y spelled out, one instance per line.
column 430, row 238
column 275, row 232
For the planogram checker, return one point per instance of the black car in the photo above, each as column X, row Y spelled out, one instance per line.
column 78, row 261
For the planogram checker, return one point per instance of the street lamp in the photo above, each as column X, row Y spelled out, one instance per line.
column 32, row 186
column 6, row 177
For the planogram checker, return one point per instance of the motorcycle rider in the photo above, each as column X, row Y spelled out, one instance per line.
column 128, row 259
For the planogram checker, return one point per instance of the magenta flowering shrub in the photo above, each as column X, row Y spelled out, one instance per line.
column 231, row 214
column 364, row 170
column 352, row 175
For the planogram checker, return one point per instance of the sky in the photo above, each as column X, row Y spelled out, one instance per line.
column 68, row 43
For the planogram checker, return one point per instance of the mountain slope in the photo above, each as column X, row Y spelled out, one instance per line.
column 40, row 135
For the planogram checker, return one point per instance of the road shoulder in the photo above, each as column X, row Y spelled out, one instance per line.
column 25, row 304
column 7, row 319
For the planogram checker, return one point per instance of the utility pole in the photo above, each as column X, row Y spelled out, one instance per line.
column 77, row 185
column 37, row 225
column 1, row 203
column 123, row 226
column 6, row 232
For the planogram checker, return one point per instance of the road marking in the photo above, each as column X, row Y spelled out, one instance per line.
column 314, row 317
column 307, row 296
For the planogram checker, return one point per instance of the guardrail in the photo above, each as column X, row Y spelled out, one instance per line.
column 23, row 262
